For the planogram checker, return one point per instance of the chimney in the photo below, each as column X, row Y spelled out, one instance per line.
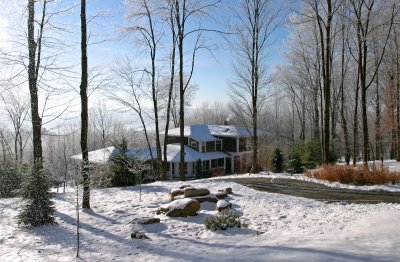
column 227, row 121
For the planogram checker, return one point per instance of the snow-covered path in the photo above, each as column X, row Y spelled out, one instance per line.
column 281, row 228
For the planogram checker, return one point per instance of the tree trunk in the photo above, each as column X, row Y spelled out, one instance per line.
column 84, row 110
column 170, row 90
column 33, row 90
column 181, row 109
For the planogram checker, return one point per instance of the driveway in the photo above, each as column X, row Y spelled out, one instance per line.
column 318, row 192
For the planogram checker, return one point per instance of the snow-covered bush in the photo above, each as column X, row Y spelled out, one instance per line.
column 226, row 219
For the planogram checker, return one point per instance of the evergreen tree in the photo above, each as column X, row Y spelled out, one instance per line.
column 122, row 167
column 277, row 161
column 38, row 209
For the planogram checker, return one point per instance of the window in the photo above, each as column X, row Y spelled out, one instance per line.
column 193, row 144
column 206, row 165
column 214, row 163
column 218, row 145
column 186, row 168
column 203, row 147
column 220, row 162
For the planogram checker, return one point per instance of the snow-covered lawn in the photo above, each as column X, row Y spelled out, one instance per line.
column 281, row 228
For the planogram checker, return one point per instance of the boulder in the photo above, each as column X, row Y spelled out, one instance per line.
column 221, row 195
column 146, row 220
column 181, row 208
column 194, row 192
column 228, row 190
column 209, row 198
column 223, row 204
column 139, row 235
column 175, row 193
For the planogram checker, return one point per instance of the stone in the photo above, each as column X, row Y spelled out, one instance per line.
column 138, row 235
column 194, row 192
column 228, row 190
column 175, row 193
column 221, row 195
column 181, row 208
column 147, row 220
column 209, row 198
column 223, row 204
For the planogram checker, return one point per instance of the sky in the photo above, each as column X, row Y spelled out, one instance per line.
column 212, row 72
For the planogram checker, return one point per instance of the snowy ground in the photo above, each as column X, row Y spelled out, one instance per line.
column 281, row 228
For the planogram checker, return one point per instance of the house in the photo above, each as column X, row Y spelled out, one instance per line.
column 220, row 148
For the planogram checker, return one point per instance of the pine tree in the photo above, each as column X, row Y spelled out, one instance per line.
column 122, row 166
column 38, row 209
column 277, row 161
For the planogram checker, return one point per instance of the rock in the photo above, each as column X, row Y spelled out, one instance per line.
column 181, row 208
column 147, row 220
column 176, row 192
column 194, row 192
column 139, row 235
column 184, row 186
column 209, row 198
column 221, row 195
column 223, row 204
column 228, row 190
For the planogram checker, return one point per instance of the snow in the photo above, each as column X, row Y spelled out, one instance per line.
column 177, row 204
column 203, row 133
column 103, row 156
column 280, row 228
column 222, row 203
column 191, row 155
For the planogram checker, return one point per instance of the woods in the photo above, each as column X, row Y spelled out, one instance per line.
column 334, row 95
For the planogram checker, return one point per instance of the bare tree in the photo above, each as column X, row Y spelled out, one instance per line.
column 147, row 17
column 17, row 109
column 248, row 91
column 84, row 109
column 364, row 12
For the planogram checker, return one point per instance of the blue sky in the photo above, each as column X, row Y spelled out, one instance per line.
column 211, row 74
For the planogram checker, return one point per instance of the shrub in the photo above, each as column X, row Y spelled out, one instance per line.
column 295, row 165
column 360, row 175
column 38, row 209
column 121, row 167
column 226, row 219
column 277, row 161
column 10, row 179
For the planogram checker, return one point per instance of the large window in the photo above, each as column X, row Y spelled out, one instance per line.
column 214, row 163
column 206, row 165
column 203, row 147
column 218, row 145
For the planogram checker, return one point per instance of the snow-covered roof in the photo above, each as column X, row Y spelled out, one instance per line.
column 103, row 156
column 200, row 133
column 204, row 132
column 191, row 155
column 100, row 156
